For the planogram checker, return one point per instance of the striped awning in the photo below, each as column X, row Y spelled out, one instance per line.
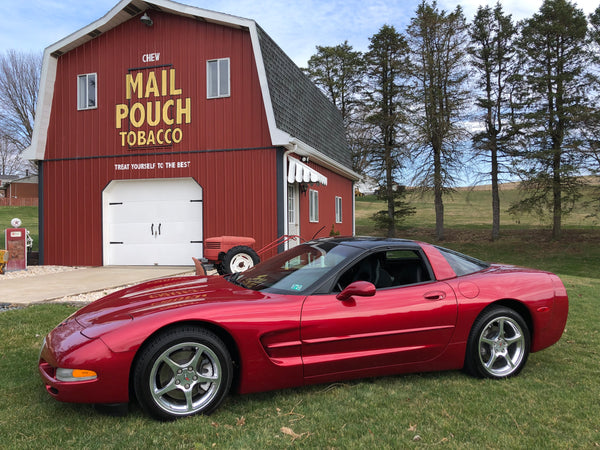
column 298, row 172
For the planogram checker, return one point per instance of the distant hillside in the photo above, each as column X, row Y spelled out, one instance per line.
column 594, row 181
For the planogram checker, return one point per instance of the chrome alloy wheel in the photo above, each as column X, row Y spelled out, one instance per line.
column 185, row 378
column 502, row 346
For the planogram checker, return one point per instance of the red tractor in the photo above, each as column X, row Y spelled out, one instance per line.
column 231, row 254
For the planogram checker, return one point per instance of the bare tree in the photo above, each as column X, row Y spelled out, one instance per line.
column 437, row 40
column 10, row 162
column 19, row 84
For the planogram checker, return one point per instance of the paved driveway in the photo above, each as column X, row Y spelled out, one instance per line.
column 52, row 286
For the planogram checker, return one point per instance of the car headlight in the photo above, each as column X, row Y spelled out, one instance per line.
column 75, row 374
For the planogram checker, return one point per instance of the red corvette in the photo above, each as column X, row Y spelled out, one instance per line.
column 323, row 311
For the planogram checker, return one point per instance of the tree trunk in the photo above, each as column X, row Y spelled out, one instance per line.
column 495, row 195
column 438, row 191
column 557, row 196
column 389, row 182
column 391, row 232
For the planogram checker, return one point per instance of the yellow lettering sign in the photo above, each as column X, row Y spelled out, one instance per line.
column 134, row 85
column 159, row 114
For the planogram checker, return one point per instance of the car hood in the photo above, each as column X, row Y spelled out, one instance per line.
column 160, row 295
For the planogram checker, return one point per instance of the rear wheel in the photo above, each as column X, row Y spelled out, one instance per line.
column 498, row 345
column 182, row 372
column 240, row 259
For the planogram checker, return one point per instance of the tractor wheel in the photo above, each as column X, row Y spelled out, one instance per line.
column 239, row 259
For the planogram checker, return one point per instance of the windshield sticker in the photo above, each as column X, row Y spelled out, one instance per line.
column 296, row 287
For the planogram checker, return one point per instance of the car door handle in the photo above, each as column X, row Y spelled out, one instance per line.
column 435, row 295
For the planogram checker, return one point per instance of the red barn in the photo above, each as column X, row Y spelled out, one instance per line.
column 161, row 124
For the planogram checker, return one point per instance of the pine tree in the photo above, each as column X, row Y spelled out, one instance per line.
column 437, row 41
column 555, row 59
column 339, row 72
column 387, row 62
column 493, row 57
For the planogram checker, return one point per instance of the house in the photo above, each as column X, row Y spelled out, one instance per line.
column 18, row 190
column 162, row 124
column 5, row 181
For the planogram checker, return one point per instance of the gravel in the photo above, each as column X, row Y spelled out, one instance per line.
column 33, row 271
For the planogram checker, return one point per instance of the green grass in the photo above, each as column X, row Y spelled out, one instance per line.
column 29, row 217
column 470, row 210
column 553, row 403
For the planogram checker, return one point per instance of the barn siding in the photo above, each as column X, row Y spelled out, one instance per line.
column 84, row 147
column 240, row 191
column 336, row 186
column 184, row 44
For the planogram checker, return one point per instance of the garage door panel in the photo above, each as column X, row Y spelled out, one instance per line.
column 159, row 254
column 142, row 212
column 150, row 222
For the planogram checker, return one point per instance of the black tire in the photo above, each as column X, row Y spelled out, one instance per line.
column 220, row 269
column 182, row 372
column 498, row 345
column 239, row 259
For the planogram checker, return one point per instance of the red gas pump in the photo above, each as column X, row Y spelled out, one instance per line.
column 16, row 246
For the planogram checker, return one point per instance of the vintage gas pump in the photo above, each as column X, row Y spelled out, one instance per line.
column 16, row 246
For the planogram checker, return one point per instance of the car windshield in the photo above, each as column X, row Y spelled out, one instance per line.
column 296, row 270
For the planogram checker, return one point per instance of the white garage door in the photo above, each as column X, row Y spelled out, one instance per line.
column 152, row 222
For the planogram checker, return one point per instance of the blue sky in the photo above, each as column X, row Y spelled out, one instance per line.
column 297, row 26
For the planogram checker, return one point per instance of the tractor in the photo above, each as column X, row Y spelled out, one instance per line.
column 231, row 254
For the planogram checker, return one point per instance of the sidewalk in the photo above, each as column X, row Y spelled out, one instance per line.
column 47, row 287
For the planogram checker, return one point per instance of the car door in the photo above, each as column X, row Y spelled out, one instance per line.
column 398, row 325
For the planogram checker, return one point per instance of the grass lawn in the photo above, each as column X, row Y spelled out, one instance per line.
column 553, row 403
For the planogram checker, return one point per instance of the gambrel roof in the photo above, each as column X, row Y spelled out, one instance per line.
column 300, row 117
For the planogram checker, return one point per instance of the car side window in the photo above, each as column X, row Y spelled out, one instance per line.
column 386, row 269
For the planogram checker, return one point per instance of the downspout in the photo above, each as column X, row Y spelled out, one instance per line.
column 353, row 209
column 286, row 224
column 41, row 212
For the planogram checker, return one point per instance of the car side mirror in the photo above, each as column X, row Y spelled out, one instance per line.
column 358, row 288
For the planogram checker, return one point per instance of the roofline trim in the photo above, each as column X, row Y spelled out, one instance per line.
column 303, row 149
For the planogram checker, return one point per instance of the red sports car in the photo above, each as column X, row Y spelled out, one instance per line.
column 324, row 311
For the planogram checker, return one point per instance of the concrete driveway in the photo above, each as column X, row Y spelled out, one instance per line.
column 52, row 286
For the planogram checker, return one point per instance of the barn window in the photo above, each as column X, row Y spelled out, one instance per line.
column 313, row 205
column 338, row 210
column 217, row 78
column 87, row 91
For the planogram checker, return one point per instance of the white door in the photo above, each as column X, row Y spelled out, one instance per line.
column 152, row 222
column 293, row 201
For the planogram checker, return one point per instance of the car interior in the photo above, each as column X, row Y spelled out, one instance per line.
column 387, row 269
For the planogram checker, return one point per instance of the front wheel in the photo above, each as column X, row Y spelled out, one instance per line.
column 498, row 344
column 182, row 372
